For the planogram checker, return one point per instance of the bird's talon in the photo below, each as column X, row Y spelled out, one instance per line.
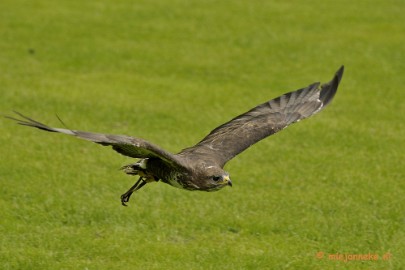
column 125, row 198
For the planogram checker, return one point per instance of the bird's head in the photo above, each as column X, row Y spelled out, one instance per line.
column 215, row 178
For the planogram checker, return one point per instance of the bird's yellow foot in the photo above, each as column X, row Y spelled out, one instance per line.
column 125, row 197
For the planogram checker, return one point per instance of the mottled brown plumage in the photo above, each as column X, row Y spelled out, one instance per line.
column 200, row 167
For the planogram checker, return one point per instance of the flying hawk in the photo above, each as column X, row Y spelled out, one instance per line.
column 200, row 167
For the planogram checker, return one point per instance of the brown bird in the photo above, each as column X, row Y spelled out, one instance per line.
column 200, row 167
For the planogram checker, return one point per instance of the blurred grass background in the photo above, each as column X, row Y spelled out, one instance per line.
column 169, row 72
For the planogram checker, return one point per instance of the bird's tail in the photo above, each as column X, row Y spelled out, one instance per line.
column 131, row 169
column 138, row 168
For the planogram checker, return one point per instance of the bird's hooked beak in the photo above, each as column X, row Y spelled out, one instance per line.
column 227, row 180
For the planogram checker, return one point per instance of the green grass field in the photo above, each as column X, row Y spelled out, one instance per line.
column 169, row 72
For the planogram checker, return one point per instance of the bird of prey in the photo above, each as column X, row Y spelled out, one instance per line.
column 200, row 167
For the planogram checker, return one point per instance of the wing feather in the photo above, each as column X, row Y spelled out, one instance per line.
column 125, row 145
column 233, row 137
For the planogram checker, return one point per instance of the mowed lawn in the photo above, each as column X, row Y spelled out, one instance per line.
column 315, row 196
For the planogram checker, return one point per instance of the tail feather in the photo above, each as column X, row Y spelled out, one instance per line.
column 131, row 169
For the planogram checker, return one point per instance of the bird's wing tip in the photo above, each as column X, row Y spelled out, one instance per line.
column 328, row 90
column 339, row 73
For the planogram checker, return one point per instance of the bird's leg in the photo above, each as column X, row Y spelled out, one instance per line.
column 125, row 197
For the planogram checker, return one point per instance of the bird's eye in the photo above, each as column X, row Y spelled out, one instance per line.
column 216, row 178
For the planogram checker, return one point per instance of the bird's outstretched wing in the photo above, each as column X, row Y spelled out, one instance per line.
column 233, row 137
column 125, row 145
